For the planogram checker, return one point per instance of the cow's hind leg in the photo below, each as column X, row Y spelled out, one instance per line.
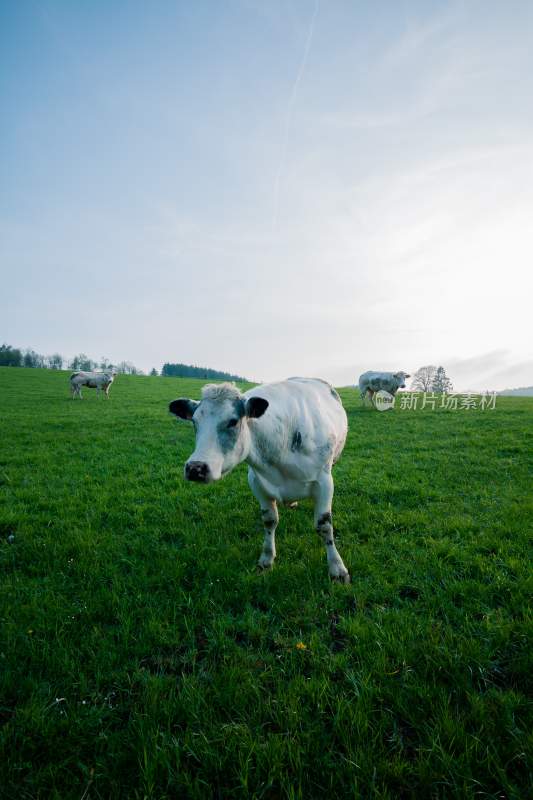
column 323, row 496
column 270, row 517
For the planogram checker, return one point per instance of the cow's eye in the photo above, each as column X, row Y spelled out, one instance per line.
column 232, row 422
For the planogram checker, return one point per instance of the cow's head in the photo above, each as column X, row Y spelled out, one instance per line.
column 401, row 377
column 220, row 421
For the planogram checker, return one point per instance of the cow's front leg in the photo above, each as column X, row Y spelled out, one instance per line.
column 270, row 517
column 323, row 495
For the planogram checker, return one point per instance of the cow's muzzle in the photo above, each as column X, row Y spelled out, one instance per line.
column 198, row 471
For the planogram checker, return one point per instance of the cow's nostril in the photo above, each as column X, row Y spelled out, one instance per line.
column 196, row 471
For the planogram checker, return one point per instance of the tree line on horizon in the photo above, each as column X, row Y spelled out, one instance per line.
column 190, row 371
column 17, row 357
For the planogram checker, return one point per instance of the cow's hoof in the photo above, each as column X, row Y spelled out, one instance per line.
column 265, row 563
column 341, row 578
column 293, row 505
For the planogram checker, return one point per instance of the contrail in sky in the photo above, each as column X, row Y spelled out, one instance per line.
column 288, row 120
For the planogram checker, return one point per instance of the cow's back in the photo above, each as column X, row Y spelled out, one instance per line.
column 79, row 376
column 378, row 380
column 90, row 379
column 305, row 424
column 371, row 377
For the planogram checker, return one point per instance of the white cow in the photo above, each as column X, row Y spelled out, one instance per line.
column 93, row 380
column 372, row 382
column 289, row 433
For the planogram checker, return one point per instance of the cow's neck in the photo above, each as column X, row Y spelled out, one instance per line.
column 260, row 450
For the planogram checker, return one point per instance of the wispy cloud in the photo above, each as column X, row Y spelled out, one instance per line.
column 288, row 119
column 497, row 369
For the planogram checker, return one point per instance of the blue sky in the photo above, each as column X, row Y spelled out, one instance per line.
column 272, row 188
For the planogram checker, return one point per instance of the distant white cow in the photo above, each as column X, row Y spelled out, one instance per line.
column 92, row 380
column 289, row 433
column 372, row 382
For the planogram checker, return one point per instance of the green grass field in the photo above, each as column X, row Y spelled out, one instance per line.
column 143, row 656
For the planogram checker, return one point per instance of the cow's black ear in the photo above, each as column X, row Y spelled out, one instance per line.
column 256, row 407
column 183, row 408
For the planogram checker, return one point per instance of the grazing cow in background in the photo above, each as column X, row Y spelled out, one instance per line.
column 289, row 433
column 372, row 382
column 93, row 380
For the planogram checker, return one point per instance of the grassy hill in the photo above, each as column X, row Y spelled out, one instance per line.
column 142, row 656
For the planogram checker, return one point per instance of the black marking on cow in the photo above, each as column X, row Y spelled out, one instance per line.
column 269, row 519
column 336, row 395
column 296, row 443
column 324, row 519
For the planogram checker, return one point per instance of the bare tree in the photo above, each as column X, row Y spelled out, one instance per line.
column 32, row 359
column 423, row 379
column 127, row 368
column 82, row 362
column 55, row 361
